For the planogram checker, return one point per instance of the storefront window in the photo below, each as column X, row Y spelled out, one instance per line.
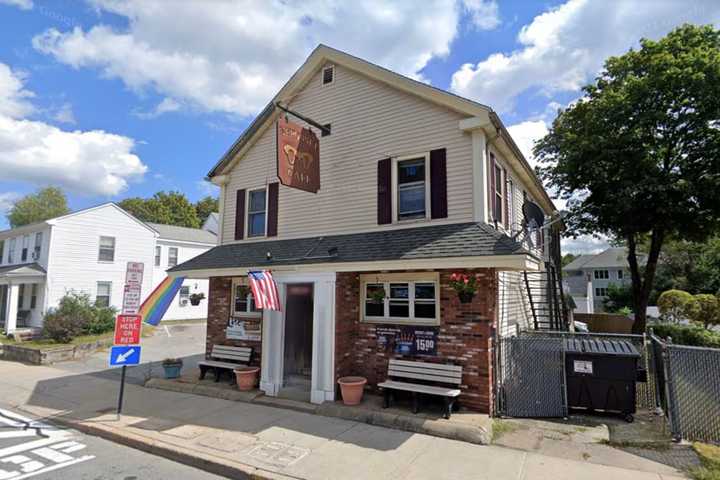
column 401, row 298
column 243, row 300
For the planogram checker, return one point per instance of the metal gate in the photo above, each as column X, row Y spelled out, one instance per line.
column 531, row 377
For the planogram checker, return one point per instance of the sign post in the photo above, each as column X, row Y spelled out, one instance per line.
column 126, row 349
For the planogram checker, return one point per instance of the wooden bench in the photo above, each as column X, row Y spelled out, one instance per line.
column 427, row 374
column 220, row 355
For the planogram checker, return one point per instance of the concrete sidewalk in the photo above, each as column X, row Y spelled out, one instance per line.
column 240, row 440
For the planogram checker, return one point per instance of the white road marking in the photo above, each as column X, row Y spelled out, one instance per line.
column 18, row 433
column 167, row 330
column 51, row 454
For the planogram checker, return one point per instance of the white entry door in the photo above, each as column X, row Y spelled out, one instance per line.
column 323, row 337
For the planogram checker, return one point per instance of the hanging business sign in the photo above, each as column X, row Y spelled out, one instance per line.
column 298, row 156
column 407, row 339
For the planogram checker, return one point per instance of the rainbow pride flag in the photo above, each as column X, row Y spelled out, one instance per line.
column 155, row 306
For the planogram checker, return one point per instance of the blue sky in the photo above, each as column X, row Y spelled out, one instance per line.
column 117, row 98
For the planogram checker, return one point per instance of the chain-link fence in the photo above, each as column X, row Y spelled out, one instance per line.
column 531, row 372
column 688, row 380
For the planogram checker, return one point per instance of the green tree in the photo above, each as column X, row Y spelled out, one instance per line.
column 676, row 305
column 690, row 266
column 205, row 206
column 169, row 208
column 49, row 202
column 637, row 156
column 706, row 311
column 619, row 298
column 567, row 259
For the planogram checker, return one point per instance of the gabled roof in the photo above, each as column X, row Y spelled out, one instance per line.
column 439, row 241
column 23, row 270
column 615, row 257
column 323, row 55
column 184, row 234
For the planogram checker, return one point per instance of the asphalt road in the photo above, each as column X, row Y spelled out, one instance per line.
column 30, row 449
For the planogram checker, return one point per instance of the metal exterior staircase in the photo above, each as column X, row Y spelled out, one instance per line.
column 544, row 292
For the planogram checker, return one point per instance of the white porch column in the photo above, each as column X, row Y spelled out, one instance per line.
column 323, row 364
column 11, row 308
column 271, row 363
column 474, row 126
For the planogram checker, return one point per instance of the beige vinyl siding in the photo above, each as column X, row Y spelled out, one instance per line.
column 514, row 312
column 370, row 121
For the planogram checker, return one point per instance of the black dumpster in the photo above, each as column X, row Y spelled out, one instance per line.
column 601, row 375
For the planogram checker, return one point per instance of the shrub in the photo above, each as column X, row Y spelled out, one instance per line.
column 674, row 305
column 706, row 311
column 693, row 335
column 77, row 315
column 619, row 298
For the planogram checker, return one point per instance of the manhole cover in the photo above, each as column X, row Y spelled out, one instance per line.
column 277, row 453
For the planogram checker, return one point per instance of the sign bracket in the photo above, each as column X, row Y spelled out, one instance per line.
column 323, row 128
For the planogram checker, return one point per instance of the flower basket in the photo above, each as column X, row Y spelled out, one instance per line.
column 377, row 296
column 196, row 298
column 466, row 297
column 465, row 285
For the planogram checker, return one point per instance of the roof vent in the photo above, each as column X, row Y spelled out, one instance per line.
column 328, row 75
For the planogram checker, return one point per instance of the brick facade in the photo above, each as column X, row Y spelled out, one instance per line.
column 465, row 336
column 219, row 301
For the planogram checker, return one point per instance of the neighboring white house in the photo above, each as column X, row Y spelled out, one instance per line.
column 589, row 276
column 87, row 251
column 212, row 223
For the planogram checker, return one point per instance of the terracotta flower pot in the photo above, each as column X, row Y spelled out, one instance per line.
column 466, row 297
column 246, row 377
column 352, row 389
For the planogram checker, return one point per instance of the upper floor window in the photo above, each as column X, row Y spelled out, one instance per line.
column 401, row 298
column 107, row 249
column 511, row 204
column 243, row 301
column 11, row 250
column 256, row 212
column 38, row 245
column 172, row 256
column 498, row 204
column 25, row 246
column 620, row 274
column 601, row 275
column 158, row 254
column 102, row 295
column 412, row 188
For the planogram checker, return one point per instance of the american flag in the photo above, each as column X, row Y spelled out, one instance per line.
column 264, row 290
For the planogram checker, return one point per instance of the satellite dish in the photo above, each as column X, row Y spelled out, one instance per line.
column 533, row 214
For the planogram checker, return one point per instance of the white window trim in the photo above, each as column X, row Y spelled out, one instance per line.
column 177, row 256
column 157, row 260
column 322, row 75
column 395, row 189
column 233, row 313
column 109, row 284
column 247, row 213
column 100, row 246
column 386, row 279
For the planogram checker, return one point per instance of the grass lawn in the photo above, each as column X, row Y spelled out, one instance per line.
column 147, row 331
column 710, row 457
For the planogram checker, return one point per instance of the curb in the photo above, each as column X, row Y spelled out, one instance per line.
column 436, row 428
column 175, row 453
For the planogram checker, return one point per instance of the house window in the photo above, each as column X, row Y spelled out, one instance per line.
column 401, row 298
column 184, row 296
column 38, row 245
column 21, row 296
column 107, row 249
column 620, row 274
column 158, row 254
column 328, row 75
column 511, row 204
column 172, row 256
column 11, row 251
column 412, row 185
column 33, row 295
column 601, row 292
column 256, row 212
column 102, row 297
column 602, row 274
column 2, row 251
column 243, row 300
column 25, row 245
column 498, row 207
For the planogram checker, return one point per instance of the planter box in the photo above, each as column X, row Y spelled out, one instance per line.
column 50, row 355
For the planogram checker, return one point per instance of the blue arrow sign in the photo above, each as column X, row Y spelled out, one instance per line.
column 124, row 355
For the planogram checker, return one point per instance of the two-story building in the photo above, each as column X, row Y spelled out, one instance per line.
column 88, row 251
column 415, row 184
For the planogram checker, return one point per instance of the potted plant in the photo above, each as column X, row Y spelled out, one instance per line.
column 465, row 285
column 195, row 298
column 352, row 389
column 172, row 367
column 246, row 377
column 377, row 295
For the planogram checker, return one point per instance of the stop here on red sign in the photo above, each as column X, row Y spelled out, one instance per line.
column 127, row 329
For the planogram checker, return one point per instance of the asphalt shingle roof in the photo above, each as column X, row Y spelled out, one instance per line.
column 183, row 234
column 440, row 241
column 615, row 257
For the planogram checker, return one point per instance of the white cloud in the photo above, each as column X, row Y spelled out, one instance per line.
column 7, row 200
column 65, row 114
column 563, row 48
column 584, row 244
column 87, row 162
column 233, row 58
column 484, row 14
column 526, row 134
column 165, row 106
column 207, row 188
column 22, row 4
